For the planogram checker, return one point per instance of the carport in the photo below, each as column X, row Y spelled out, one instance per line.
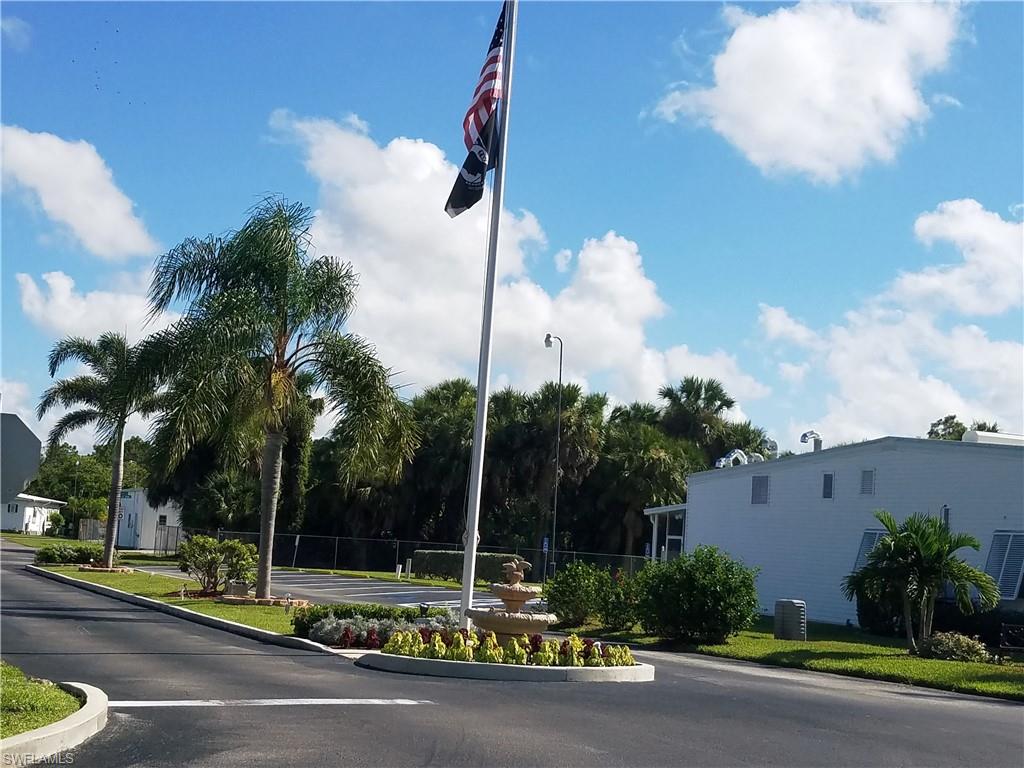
column 668, row 531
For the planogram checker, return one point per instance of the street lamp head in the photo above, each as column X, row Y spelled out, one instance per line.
column 547, row 341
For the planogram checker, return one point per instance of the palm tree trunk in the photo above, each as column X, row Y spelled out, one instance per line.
column 114, row 502
column 927, row 614
column 908, row 621
column 270, row 489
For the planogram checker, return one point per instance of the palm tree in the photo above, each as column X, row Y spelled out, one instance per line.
column 262, row 311
column 121, row 384
column 915, row 560
column 695, row 410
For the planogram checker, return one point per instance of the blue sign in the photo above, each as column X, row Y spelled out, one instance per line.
column 647, row 549
column 545, row 545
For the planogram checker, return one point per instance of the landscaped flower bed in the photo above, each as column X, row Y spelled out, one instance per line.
column 483, row 647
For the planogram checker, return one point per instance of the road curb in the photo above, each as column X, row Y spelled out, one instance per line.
column 263, row 635
column 53, row 739
column 475, row 670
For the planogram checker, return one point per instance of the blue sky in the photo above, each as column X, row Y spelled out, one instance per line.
column 727, row 190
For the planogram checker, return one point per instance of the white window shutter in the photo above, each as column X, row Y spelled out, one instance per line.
column 997, row 555
column 1009, row 582
column 868, row 542
column 867, row 482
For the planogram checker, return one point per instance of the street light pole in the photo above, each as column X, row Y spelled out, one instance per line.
column 558, row 441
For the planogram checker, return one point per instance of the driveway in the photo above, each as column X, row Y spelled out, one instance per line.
column 188, row 695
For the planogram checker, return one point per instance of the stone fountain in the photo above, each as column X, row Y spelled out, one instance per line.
column 512, row 620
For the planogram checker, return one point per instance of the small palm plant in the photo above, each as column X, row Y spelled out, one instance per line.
column 914, row 561
column 121, row 383
column 265, row 321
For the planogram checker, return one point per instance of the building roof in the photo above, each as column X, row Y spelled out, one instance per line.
column 881, row 443
column 42, row 501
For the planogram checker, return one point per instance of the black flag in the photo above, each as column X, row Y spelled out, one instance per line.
column 469, row 186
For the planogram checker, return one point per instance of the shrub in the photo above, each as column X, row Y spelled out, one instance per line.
column 953, row 646
column 55, row 523
column 304, row 617
column 703, row 597
column 73, row 553
column 619, row 603
column 447, row 564
column 213, row 563
column 574, row 593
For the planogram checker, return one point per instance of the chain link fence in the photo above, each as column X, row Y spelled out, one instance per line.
column 368, row 554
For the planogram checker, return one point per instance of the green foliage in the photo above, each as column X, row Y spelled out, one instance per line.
column 27, row 703
column 213, row 563
column 547, row 656
column 619, row 601
column 952, row 646
column 951, row 428
column 447, row 564
column 701, row 597
column 461, row 649
column 489, row 651
column 515, row 652
column 76, row 554
column 571, row 652
column 54, row 524
column 575, row 593
column 64, row 474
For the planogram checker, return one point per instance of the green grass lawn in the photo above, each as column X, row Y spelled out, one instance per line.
column 848, row 651
column 26, row 704
column 30, row 540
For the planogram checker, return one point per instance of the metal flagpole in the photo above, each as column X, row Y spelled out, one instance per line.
column 483, row 379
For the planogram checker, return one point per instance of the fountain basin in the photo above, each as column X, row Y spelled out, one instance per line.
column 508, row 624
column 514, row 596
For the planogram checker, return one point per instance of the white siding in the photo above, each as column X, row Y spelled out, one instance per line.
column 805, row 545
column 137, row 526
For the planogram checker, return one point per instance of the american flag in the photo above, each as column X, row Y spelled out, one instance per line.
column 488, row 87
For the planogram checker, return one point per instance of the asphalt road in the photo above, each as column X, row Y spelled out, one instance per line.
column 328, row 588
column 699, row 712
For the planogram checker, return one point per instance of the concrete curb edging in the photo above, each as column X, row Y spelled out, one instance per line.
column 63, row 735
column 263, row 635
column 475, row 670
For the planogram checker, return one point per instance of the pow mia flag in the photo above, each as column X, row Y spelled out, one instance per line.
column 479, row 132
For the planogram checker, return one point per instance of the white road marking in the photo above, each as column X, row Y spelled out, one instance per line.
column 264, row 702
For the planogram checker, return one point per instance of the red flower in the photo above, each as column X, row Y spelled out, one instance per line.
column 372, row 641
column 535, row 643
column 347, row 638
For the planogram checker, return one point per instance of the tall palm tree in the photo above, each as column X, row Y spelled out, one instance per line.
column 695, row 410
column 261, row 311
column 121, row 384
column 915, row 560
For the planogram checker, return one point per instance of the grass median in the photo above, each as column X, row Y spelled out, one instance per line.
column 847, row 651
column 167, row 589
column 27, row 703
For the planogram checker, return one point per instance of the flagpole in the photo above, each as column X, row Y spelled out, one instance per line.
column 483, row 380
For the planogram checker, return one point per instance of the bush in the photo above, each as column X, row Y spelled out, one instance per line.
column 574, row 594
column 356, row 632
column 447, row 564
column 886, row 618
column 703, row 597
column 55, row 524
column 882, row 617
column 75, row 554
column 619, row 603
column 213, row 563
column 953, row 646
column 304, row 617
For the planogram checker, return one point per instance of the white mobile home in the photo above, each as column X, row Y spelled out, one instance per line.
column 139, row 524
column 29, row 514
column 806, row 521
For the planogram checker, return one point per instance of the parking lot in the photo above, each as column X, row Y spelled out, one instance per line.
column 328, row 588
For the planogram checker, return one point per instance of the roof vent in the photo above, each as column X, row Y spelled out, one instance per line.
column 813, row 437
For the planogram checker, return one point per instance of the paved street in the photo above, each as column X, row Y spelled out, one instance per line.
column 256, row 707
column 327, row 588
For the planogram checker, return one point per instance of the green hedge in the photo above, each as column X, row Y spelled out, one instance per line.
column 305, row 617
column 76, row 554
column 447, row 564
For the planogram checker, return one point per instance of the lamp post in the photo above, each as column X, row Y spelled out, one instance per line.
column 558, row 439
column 77, row 462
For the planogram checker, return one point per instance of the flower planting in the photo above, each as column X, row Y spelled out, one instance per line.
column 522, row 650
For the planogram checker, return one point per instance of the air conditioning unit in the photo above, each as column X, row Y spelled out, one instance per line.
column 790, row 620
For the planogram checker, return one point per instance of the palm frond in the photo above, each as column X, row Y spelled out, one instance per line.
column 79, row 390
column 74, row 348
column 71, row 421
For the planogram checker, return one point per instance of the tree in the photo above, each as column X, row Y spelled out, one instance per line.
column 121, row 384
column 914, row 562
column 262, row 311
column 695, row 410
column 947, row 428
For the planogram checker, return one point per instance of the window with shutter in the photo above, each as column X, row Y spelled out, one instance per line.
column 827, row 481
column 867, row 482
column 759, row 490
column 868, row 542
column 1005, row 562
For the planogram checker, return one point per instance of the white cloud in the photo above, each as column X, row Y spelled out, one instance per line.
column 421, row 282
column 17, row 33
column 778, row 325
column 895, row 366
column 61, row 309
column 76, row 189
column 794, row 373
column 990, row 278
column 821, row 89
column 945, row 100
